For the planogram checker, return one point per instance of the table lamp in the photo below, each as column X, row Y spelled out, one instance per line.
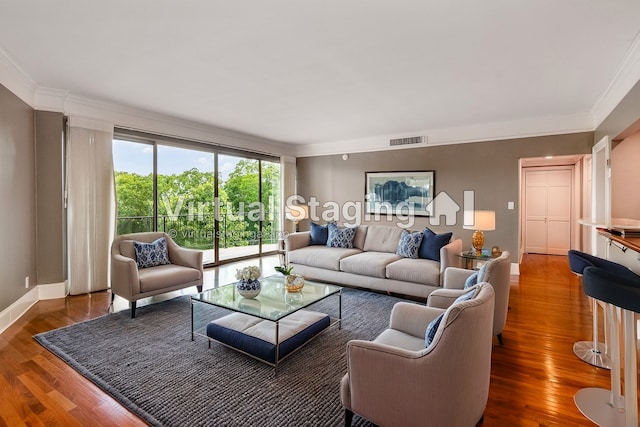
column 296, row 213
column 482, row 221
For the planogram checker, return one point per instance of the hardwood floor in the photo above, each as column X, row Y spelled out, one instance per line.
column 534, row 374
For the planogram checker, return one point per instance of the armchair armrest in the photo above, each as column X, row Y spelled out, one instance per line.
column 443, row 298
column 381, row 380
column 184, row 256
column 293, row 241
column 450, row 256
column 455, row 277
column 412, row 319
column 124, row 276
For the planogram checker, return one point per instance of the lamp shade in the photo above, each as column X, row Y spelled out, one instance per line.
column 480, row 220
column 296, row 213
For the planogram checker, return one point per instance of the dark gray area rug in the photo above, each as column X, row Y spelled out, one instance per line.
column 152, row 367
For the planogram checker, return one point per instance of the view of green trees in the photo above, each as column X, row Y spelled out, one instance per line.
column 187, row 208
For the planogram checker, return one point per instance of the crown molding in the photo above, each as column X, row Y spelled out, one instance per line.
column 556, row 125
column 16, row 79
column 627, row 75
column 49, row 99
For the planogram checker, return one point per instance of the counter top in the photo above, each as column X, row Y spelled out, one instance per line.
column 629, row 242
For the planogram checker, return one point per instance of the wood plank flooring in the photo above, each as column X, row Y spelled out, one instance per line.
column 534, row 374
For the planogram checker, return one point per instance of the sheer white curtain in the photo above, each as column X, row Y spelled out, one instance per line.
column 90, row 204
column 288, row 185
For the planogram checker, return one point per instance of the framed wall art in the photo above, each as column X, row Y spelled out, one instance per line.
column 406, row 193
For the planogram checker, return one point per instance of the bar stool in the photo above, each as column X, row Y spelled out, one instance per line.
column 593, row 352
column 608, row 407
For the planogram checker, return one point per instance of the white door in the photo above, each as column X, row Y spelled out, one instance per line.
column 548, row 210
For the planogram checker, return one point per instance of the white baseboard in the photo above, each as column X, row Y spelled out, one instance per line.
column 515, row 268
column 41, row 292
column 52, row 290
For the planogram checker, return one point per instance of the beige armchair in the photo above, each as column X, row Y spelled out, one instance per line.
column 497, row 272
column 133, row 283
column 396, row 381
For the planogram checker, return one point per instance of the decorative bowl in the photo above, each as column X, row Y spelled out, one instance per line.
column 294, row 282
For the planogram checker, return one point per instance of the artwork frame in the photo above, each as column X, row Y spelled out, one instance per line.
column 400, row 192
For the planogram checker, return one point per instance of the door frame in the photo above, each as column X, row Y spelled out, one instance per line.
column 573, row 210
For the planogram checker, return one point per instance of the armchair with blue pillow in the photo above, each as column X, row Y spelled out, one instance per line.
column 147, row 264
column 431, row 366
column 496, row 271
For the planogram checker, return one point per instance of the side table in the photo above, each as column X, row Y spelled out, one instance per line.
column 471, row 257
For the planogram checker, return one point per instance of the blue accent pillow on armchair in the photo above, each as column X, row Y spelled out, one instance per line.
column 430, row 333
column 432, row 243
column 151, row 254
column 319, row 234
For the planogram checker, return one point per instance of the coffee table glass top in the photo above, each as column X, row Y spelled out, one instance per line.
column 273, row 303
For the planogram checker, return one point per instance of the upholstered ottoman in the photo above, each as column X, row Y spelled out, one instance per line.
column 257, row 337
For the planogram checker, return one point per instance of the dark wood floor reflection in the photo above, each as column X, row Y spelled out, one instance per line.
column 534, row 374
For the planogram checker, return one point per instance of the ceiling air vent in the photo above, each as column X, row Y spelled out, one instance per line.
column 407, row 141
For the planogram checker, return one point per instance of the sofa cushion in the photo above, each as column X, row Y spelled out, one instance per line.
column 423, row 271
column 381, row 238
column 151, row 254
column 340, row 237
column 319, row 234
column 165, row 276
column 372, row 264
column 361, row 234
column 432, row 243
column 320, row 256
column 409, row 244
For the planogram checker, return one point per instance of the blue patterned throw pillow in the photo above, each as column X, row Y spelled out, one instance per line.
column 432, row 329
column 431, row 244
column 409, row 244
column 340, row 237
column 151, row 254
column 319, row 234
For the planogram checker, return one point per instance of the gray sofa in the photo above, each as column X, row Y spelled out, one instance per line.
column 372, row 263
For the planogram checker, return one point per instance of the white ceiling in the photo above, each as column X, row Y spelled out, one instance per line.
column 330, row 71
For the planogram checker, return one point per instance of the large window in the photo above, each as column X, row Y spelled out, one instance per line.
column 171, row 186
column 133, row 166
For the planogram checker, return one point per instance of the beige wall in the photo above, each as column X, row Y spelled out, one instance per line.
column 50, row 186
column 624, row 119
column 17, row 198
column 490, row 169
column 625, row 177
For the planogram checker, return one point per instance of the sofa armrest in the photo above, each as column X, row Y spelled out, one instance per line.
column 412, row 319
column 455, row 277
column 298, row 240
column 450, row 256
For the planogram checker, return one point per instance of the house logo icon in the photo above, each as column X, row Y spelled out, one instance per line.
column 443, row 205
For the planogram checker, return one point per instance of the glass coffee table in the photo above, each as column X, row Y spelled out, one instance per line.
column 269, row 327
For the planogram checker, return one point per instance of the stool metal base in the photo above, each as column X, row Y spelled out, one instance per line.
column 586, row 352
column 594, row 403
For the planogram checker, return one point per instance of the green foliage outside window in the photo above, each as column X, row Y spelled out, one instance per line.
column 186, row 205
